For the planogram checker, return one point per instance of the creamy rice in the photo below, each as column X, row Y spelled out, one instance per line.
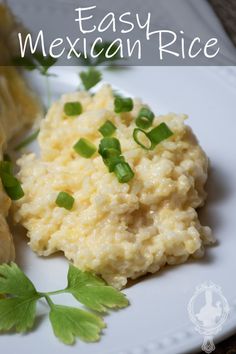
column 119, row 231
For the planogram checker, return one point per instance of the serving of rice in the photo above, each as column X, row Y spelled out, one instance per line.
column 118, row 230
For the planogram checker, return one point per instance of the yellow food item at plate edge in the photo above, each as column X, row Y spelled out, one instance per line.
column 19, row 107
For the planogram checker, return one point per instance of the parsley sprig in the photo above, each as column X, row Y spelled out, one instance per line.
column 18, row 306
column 90, row 78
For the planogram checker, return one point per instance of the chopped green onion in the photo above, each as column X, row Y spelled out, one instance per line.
column 84, row 148
column 107, row 129
column 72, row 108
column 65, row 200
column 27, row 140
column 8, row 180
column 16, row 192
column 6, row 166
column 158, row 134
column 10, row 184
column 145, row 118
column 123, row 172
column 112, row 161
column 136, row 133
column 155, row 136
column 109, row 147
column 123, row 104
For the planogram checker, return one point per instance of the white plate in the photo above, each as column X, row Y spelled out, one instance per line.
column 157, row 320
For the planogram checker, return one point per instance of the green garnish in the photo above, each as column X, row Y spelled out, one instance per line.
column 109, row 147
column 65, row 200
column 107, row 129
column 36, row 61
column 123, row 172
column 136, row 133
column 123, row 104
column 44, row 63
column 154, row 137
column 159, row 133
column 27, row 140
column 25, row 62
column 6, row 167
column 15, row 192
column 93, row 292
column 110, row 150
column 11, row 185
column 73, row 108
column 85, row 148
column 145, row 118
column 18, row 309
column 90, row 78
column 112, row 161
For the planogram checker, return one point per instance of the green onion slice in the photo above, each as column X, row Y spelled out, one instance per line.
column 145, row 118
column 140, row 132
column 107, row 129
column 109, row 147
column 123, row 104
column 155, row 136
column 85, row 148
column 8, row 180
column 65, row 200
column 72, row 108
column 113, row 161
column 158, row 134
column 123, row 172
column 10, row 184
column 6, row 166
column 16, row 192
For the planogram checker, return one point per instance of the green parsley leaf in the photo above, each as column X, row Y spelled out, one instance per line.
column 18, row 299
column 11, row 184
column 17, row 312
column 69, row 323
column 25, row 62
column 46, row 62
column 13, row 281
column 83, row 60
column 90, row 78
column 93, row 292
column 107, row 129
